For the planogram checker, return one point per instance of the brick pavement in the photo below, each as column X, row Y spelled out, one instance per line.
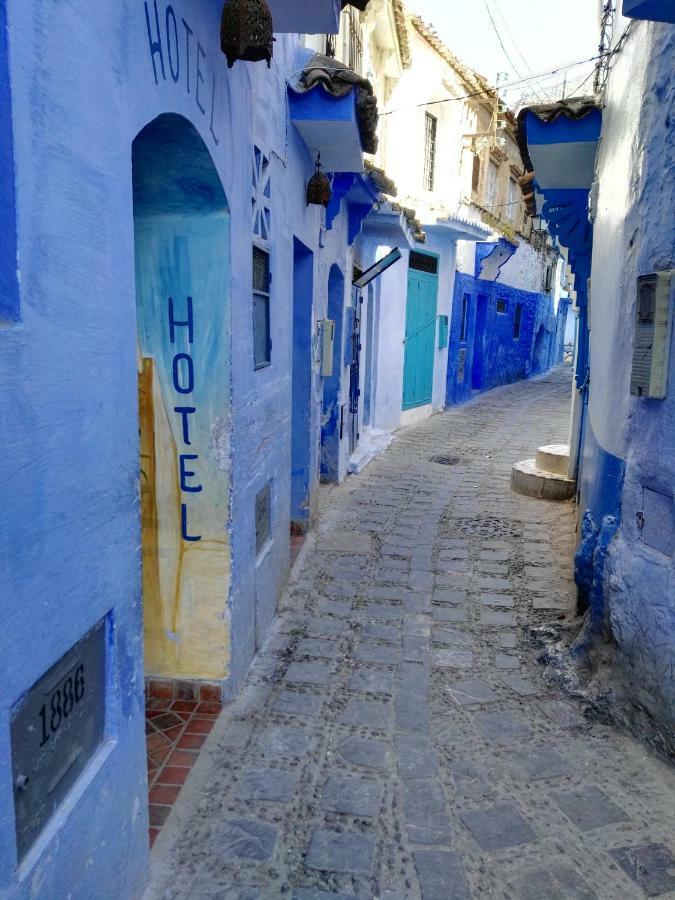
column 396, row 738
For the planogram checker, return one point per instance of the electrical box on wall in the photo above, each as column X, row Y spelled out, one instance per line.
column 443, row 332
column 327, row 344
column 653, row 331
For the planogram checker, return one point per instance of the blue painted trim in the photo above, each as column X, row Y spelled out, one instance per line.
column 601, row 478
column 564, row 130
column 360, row 194
column 600, row 496
column 317, row 105
column 485, row 249
column 9, row 287
column 654, row 10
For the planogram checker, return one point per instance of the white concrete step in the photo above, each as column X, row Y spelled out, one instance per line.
column 555, row 459
column 528, row 479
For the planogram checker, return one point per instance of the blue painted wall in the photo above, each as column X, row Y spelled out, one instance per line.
column 330, row 420
column 9, row 293
column 628, row 443
column 492, row 355
column 82, row 88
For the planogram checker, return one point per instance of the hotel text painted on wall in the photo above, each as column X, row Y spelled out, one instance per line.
column 176, row 53
column 184, row 383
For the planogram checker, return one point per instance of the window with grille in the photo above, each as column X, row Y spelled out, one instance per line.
column 492, row 191
column 465, row 316
column 517, row 320
column 423, row 262
column 501, row 307
column 430, row 130
column 262, row 338
column 548, row 279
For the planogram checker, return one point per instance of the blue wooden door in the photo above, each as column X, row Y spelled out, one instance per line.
column 420, row 339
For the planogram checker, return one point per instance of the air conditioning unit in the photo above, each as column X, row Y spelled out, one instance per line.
column 653, row 331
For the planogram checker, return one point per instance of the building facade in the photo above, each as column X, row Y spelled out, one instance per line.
column 603, row 171
column 164, row 283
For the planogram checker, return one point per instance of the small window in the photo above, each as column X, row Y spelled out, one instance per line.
column 517, row 319
column 465, row 315
column 501, row 307
column 430, row 130
column 262, row 340
column 514, row 199
column 492, row 192
column 423, row 262
column 263, row 518
column 548, row 279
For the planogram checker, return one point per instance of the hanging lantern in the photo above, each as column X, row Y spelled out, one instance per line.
column 246, row 31
column 319, row 190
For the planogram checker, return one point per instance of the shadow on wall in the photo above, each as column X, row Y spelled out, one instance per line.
column 181, row 230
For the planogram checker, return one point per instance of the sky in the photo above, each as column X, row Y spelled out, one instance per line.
column 539, row 36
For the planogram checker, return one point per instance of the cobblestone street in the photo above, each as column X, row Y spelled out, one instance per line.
column 396, row 738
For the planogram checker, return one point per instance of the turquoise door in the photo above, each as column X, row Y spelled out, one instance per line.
column 420, row 339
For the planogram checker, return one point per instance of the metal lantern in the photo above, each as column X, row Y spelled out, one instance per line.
column 246, row 31
column 319, row 190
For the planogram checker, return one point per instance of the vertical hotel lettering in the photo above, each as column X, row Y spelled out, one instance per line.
column 184, row 384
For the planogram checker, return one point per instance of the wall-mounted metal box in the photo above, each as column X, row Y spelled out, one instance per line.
column 653, row 331
column 56, row 729
column 327, row 346
column 654, row 10
column 658, row 517
column 443, row 332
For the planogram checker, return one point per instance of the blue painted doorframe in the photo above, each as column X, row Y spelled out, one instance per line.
column 420, row 339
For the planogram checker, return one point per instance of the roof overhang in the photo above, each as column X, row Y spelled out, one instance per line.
column 328, row 126
column 457, row 229
column 558, row 144
column 305, row 16
column 387, row 223
column 335, row 112
column 654, row 10
column 562, row 150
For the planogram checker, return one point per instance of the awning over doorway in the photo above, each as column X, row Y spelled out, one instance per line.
column 335, row 112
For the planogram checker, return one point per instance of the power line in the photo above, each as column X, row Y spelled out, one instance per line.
column 491, row 91
column 499, row 38
column 502, row 45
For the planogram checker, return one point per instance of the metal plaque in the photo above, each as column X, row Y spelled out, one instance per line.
column 263, row 518
column 461, row 366
column 56, row 728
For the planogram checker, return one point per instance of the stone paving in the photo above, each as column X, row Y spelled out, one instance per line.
column 396, row 738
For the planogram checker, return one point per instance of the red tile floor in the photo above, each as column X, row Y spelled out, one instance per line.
column 175, row 731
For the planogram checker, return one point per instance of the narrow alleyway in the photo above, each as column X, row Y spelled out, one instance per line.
column 397, row 738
